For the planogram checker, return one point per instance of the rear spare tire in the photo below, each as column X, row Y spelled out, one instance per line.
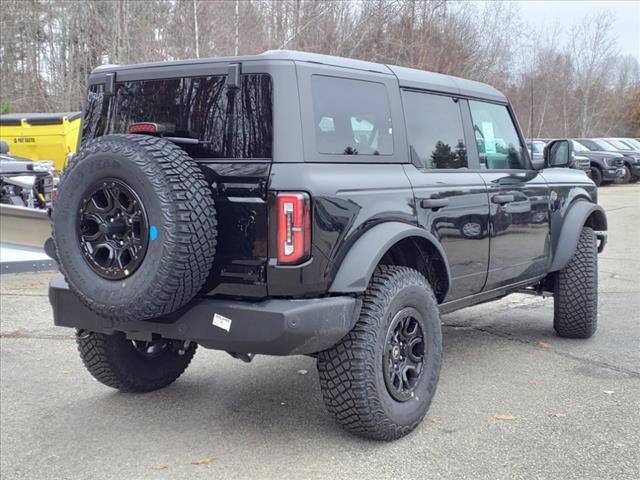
column 134, row 226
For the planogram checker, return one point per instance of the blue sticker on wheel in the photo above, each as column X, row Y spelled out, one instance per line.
column 153, row 233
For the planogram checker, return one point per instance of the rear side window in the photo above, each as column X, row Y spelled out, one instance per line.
column 351, row 117
column 497, row 139
column 434, row 129
column 94, row 122
column 220, row 122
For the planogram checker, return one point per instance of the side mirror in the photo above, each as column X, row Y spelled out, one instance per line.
column 558, row 154
column 4, row 147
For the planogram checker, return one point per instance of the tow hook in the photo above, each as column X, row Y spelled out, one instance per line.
column 245, row 357
column 185, row 346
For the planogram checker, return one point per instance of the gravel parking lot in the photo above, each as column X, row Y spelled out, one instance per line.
column 514, row 400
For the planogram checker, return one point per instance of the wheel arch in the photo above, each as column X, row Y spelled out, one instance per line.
column 393, row 243
column 564, row 242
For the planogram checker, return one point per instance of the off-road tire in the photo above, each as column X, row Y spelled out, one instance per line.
column 596, row 176
column 180, row 207
column 351, row 372
column 575, row 313
column 114, row 361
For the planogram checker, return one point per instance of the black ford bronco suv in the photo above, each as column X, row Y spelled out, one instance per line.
column 291, row 203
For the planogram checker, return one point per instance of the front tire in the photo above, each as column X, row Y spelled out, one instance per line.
column 130, row 366
column 378, row 382
column 627, row 175
column 576, row 291
column 596, row 176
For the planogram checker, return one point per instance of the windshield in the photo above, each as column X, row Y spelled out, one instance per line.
column 218, row 121
column 633, row 143
column 618, row 144
column 578, row 147
column 602, row 145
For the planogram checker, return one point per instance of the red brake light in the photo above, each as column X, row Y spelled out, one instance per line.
column 146, row 127
column 294, row 228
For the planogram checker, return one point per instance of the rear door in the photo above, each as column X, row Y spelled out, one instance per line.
column 451, row 201
column 518, row 197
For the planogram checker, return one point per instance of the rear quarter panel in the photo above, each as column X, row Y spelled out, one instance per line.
column 347, row 200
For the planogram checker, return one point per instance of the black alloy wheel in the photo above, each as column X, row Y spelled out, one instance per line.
column 113, row 229
column 404, row 354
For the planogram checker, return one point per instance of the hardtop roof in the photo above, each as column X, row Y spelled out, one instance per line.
column 407, row 77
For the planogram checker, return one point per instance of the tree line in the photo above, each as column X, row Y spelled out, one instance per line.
column 562, row 83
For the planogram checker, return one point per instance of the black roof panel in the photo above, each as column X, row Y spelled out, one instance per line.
column 407, row 77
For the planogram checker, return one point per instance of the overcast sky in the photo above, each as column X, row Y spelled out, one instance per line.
column 627, row 14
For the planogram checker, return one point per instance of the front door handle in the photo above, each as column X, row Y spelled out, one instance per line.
column 434, row 203
column 502, row 199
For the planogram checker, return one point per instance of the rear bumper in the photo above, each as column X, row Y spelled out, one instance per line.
column 271, row 327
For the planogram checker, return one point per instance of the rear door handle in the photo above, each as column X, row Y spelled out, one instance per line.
column 502, row 199
column 434, row 203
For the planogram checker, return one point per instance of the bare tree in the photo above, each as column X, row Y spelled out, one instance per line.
column 562, row 86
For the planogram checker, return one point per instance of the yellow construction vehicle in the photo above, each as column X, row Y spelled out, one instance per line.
column 42, row 136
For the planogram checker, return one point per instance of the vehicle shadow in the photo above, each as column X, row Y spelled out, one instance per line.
column 269, row 399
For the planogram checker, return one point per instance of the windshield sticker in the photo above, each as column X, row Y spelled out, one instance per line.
column 489, row 137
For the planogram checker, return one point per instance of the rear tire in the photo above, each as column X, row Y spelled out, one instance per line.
column 576, row 291
column 118, row 363
column 362, row 377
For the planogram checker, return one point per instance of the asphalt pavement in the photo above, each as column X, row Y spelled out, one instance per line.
column 514, row 401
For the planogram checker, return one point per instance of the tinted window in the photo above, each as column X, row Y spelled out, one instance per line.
column 94, row 122
column 498, row 143
column 222, row 122
column 351, row 117
column 434, row 129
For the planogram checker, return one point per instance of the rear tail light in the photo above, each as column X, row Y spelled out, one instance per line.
column 294, row 228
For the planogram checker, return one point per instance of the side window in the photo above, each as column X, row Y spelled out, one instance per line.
column 434, row 129
column 96, row 109
column 498, row 144
column 351, row 117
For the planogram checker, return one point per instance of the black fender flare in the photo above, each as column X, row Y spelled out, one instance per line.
column 364, row 255
column 565, row 241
